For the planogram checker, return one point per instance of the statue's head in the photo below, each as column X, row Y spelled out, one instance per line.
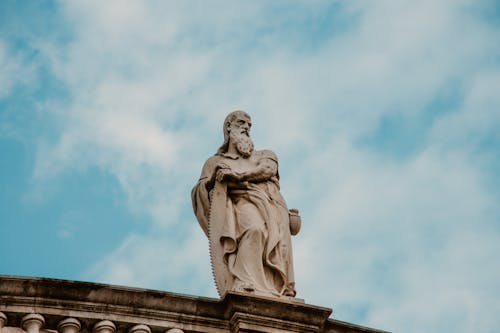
column 237, row 130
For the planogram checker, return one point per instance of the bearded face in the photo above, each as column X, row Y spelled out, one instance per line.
column 242, row 141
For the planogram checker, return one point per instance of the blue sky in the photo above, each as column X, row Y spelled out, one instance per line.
column 384, row 115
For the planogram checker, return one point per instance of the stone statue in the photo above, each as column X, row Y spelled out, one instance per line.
column 239, row 207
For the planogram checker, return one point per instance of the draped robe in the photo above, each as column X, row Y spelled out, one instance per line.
column 254, row 233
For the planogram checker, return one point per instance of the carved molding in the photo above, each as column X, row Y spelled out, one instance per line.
column 82, row 307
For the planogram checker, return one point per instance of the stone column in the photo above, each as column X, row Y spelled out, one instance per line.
column 32, row 322
column 69, row 325
column 104, row 326
column 140, row 328
column 3, row 320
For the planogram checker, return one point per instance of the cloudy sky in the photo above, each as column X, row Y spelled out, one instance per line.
column 385, row 116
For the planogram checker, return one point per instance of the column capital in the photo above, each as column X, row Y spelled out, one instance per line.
column 140, row 328
column 104, row 326
column 69, row 325
column 3, row 319
column 32, row 322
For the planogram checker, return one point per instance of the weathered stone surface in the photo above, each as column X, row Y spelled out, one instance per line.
column 91, row 307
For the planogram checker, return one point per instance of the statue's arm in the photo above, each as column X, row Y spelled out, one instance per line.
column 210, row 171
column 265, row 169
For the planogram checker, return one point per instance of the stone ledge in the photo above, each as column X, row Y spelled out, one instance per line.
column 90, row 303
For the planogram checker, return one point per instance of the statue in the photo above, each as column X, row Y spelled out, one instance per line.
column 239, row 207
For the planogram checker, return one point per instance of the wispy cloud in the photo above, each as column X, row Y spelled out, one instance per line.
column 15, row 69
column 384, row 116
column 177, row 263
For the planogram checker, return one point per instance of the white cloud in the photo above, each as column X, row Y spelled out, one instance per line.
column 408, row 241
column 14, row 70
column 402, row 244
column 478, row 118
column 152, row 260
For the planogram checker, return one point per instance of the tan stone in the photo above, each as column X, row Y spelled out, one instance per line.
column 105, row 309
column 104, row 326
column 3, row 320
column 240, row 208
column 139, row 329
column 32, row 322
column 69, row 325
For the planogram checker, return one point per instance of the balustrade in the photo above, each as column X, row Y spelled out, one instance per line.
column 35, row 305
column 34, row 323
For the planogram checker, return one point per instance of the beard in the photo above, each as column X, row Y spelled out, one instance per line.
column 243, row 143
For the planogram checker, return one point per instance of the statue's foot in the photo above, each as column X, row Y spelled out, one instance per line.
column 290, row 290
column 244, row 286
column 248, row 287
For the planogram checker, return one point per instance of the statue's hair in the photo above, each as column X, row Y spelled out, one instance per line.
column 229, row 119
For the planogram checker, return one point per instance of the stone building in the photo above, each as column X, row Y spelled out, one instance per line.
column 38, row 305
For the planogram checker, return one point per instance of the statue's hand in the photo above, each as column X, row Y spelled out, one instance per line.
column 226, row 175
column 222, row 165
column 211, row 182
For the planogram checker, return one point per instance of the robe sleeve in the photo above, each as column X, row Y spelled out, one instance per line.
column 200, row 195
column 269, row 154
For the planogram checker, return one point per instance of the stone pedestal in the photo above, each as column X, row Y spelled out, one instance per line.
column 259, row 314
column 42, row 305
